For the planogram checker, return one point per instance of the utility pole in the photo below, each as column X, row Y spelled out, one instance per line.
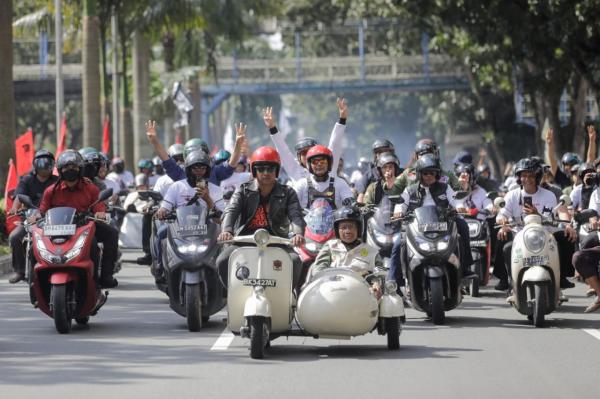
column 60, row 102
column 115, row 82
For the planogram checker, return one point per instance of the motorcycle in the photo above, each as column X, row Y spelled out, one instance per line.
column 481, row 249
column 63, row 280
column 337, row 304
column 382, row 231
column 154, row 198
column 535, row 266
column 189, row 259
column 434, row 274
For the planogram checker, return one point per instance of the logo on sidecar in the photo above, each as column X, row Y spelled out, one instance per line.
column 277, row 265
column 241, row 272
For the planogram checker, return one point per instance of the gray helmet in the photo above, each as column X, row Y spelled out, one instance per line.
column 426, row 146
column 304, row 143
column 428, row 162
column 381, row 144
column 388, row 157
column 175, row 150
column 193, row 145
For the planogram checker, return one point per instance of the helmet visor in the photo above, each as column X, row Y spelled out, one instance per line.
column 43, row 164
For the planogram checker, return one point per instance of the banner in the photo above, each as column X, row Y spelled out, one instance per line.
column 12, row 180
column 106, row 135
column 24, row 151
column 62, row 138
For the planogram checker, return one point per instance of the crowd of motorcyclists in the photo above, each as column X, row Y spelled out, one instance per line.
column 273, row 188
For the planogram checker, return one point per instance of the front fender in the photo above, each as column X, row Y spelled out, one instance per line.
column 257, row 305
column 537, row 273
column 62, row 277
column 391, row 306
column 435, row 271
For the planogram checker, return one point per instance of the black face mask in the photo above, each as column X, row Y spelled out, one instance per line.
column 70, row 175
column 119, row 168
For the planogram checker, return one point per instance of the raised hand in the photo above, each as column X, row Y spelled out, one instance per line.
column 268, row 117
column 151, row 131
column 550, row 136
column 342, row 107
column 591, row 131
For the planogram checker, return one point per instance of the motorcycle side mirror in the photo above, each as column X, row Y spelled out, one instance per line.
column 585, row 216
column 25, row 200
column 492, row 195
column 565, row 199
column 461, row 195
column 103, row 196
column 499, row 202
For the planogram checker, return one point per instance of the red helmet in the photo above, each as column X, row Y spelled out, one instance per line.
column 265, row 156
column 319, row 151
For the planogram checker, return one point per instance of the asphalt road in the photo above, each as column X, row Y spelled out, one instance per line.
column 136, row 347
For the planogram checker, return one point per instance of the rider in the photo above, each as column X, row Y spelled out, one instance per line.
column 33, row 185
column 158, row 169
column 295, row 167
column 321, row 183
column 357, row 175
column 146, row 167
column 581, row 194
column 347, row 248
column 388, row 167
column 477, row 198
column 72, row 190
column 430, row 190
column 484, row 178
column 263, row 203
column 91, row 166
column 119, row 175
column 529, row 175
column 379, row 147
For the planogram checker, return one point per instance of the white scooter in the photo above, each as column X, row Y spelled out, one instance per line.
column 535, row 266
column 338, row 303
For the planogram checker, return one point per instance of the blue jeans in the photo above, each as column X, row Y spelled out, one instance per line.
column 161, row 234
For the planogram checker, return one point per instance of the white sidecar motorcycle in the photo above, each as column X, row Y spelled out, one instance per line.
column 337, row 304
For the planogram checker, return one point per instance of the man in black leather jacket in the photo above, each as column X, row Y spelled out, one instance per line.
column 263, row 203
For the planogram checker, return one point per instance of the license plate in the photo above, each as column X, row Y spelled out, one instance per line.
column 59, row 230
column 429, row 227
column 253, row 282
column 192, row 230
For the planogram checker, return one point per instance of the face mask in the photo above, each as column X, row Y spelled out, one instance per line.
column 70, row 175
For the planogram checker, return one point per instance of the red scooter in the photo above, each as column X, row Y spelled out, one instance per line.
column 63, row 279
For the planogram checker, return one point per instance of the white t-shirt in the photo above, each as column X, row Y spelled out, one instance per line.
column 153, row 179
column 181, row 192
column 476, row 199
column 576, row 196
column 162, row 185
column 124, row 180
column 595, row 201
column 544, row 201
column 111, row 184
column 236, row 180
column 342, row 190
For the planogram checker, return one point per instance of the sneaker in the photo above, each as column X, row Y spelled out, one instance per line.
column 144, row 260
column 564, row 283
column 590, row 292
column 16, row 277
column 502, row 286
column 593, row 307
column 108, row 282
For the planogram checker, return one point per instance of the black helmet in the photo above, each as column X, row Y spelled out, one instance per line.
column 380, row 144
column 304, row 144
column 484, row 167
column 528, row 165
column 469, row 169
column 388, row 157
column 428, row 162
column 570, row 158
column 91, row 164
column 105, row 159
column 343, row 214
column 462, row 157
column 43, row 160
column 426, row 146
column 585, row 168
column 118, row 165
column 69, row 157
column 197, row 157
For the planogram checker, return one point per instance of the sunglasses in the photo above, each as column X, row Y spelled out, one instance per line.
column 318, row 160
column 265, row 169
column 428, row 173
column 198, row 166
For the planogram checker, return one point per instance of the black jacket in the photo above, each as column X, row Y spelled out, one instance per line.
column 284, row 208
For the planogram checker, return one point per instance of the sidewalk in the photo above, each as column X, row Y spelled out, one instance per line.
column 5, row 264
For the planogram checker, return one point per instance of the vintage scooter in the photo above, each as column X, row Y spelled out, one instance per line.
column 337, row 304
column 535, row 265
column 63, row 281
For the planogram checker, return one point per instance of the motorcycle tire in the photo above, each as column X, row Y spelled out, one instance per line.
column 60, row 311
column 259, row 336
column 539, row 306
column 474, row 287
column 193, row 307
column 392, row 331
column 436, row 294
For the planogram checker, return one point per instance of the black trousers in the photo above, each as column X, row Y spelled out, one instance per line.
column 587, row 259
column 109, row 237
column 146, row 232
column 17, row 248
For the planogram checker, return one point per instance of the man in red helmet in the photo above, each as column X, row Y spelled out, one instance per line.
column 262, row 203
column 321, row 183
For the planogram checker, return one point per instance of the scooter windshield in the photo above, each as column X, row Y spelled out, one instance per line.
column 382, row 217
column 430, row 219
column 319, row 219
column 191, row 221
column 60, row 216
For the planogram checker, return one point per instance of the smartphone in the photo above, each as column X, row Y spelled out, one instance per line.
column 201, row 183
column 528, row 201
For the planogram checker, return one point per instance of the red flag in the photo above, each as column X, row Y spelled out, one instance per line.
column 178, row 139
column 62, row 139
column 106, row 135
column 214, row 150
column 24, row 150
column 11, row 184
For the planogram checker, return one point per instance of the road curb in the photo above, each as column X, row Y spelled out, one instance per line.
column 5, row 264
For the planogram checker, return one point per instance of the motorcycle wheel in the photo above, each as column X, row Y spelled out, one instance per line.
column 436, row 292
column 60, row 312
column 474, row 283
column 392, row 330
column 259, row 336
column 82, row 321
column 193, row 307
column 539, row 306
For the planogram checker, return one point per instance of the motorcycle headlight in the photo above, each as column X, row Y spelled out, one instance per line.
column 381, row 238
column 43, row 251
column 391, row 287
column 424, row 245
column 261, row 237
column 188, row 249
column 76, row 250
column 474, row 229
column 534, row 240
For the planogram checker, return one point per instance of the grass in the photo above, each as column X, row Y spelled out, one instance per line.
column 4, row 250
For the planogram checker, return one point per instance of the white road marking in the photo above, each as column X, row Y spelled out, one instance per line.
column 222, row 343
column 593, row 333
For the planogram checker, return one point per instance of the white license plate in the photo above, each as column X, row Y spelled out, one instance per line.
column 192, row 230
column 59, row 230
column 264, row 282
column 430, row 227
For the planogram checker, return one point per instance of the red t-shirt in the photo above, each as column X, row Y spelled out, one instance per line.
column 80, row 197
column 259, row 221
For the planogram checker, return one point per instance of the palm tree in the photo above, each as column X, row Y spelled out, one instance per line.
column 7, row 92
column 91, row 75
